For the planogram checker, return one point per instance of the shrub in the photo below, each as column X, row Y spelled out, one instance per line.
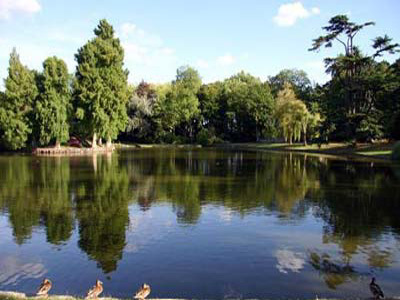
column 205, row 137
column 396, row 152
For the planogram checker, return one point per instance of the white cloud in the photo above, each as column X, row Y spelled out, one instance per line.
column 135, row 53
column 226, row 60
column 289, row 261
column 289, row 13
column 167, row 51
column 8, row 7
column 146, row 53
column 201, row 63
column 315, row 11
column 127, row 29
column 245, row 56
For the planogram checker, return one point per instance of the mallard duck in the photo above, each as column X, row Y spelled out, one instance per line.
column 95, row 291
column 44, row 288
column 376, row 289
column 143, row 292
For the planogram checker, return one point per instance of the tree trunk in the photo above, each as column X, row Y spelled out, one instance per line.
column 109, row 143
column 94, row 140
column 58, row 144
column 305, row 138
column 100, row 142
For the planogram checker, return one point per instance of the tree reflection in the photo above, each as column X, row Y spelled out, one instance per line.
column 333, row 273
column 102, row 211
column 52, row 188
column 36, row 191
column 357, row 202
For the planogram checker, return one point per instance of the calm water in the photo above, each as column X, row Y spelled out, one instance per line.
column 200, row 224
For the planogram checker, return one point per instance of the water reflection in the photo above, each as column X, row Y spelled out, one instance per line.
column 356, row 203
column 289, row 261
column 14, row 271
column 334, row 273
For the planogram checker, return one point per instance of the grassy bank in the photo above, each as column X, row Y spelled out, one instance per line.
column 380, row 151
column 377, row 151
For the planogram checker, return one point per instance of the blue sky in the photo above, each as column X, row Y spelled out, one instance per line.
column 219, row 38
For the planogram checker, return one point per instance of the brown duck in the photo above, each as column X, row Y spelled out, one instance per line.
column 376, row 289
column 95, row 291
column 44, row 288
column 143, row 292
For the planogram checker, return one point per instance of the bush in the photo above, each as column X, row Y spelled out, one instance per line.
column 396, row 152
column 205, row 137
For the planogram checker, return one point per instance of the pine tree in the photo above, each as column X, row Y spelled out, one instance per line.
column 51, row 109
column 101, row 89
column 16, row 113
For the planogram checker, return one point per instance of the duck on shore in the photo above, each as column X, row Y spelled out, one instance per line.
column 44, row 288
column 95, row 291
column 376, row 289
column 143, row 292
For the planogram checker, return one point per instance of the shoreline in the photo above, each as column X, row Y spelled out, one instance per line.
column 367, row 152
column 70, row 151
column 9, row 295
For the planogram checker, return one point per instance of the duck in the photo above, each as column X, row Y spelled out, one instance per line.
column 143, row 292
column 44, row 288
column 95, row 291
column 376, row 289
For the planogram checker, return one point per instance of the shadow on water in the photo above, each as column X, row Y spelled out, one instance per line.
column 357, row 202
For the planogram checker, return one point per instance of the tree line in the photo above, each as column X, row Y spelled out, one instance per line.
column 361, row 101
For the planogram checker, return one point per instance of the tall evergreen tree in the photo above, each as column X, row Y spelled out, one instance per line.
column 101, row 89
column 51, row 109
column 16, row 105
column 356, row 80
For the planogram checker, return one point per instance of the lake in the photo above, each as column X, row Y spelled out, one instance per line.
column 200, row 223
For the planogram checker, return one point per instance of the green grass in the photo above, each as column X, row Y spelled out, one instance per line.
column 375, row 151
column 370, row 151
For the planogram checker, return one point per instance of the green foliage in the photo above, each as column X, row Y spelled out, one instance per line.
column 53, row 102
column 100, row 88
column 140, row 110
column 206, row 137
column 361, row 101
column 292, row 115
column 177, row 105
column 16, row 117
column 396, row 151
column 359, row 86
column 247, row 108
column 298, row 79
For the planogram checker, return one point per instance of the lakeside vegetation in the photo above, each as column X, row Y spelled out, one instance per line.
column 361, row 102
column 366, row 150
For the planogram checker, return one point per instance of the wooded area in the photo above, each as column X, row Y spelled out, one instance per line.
column 361, row 102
